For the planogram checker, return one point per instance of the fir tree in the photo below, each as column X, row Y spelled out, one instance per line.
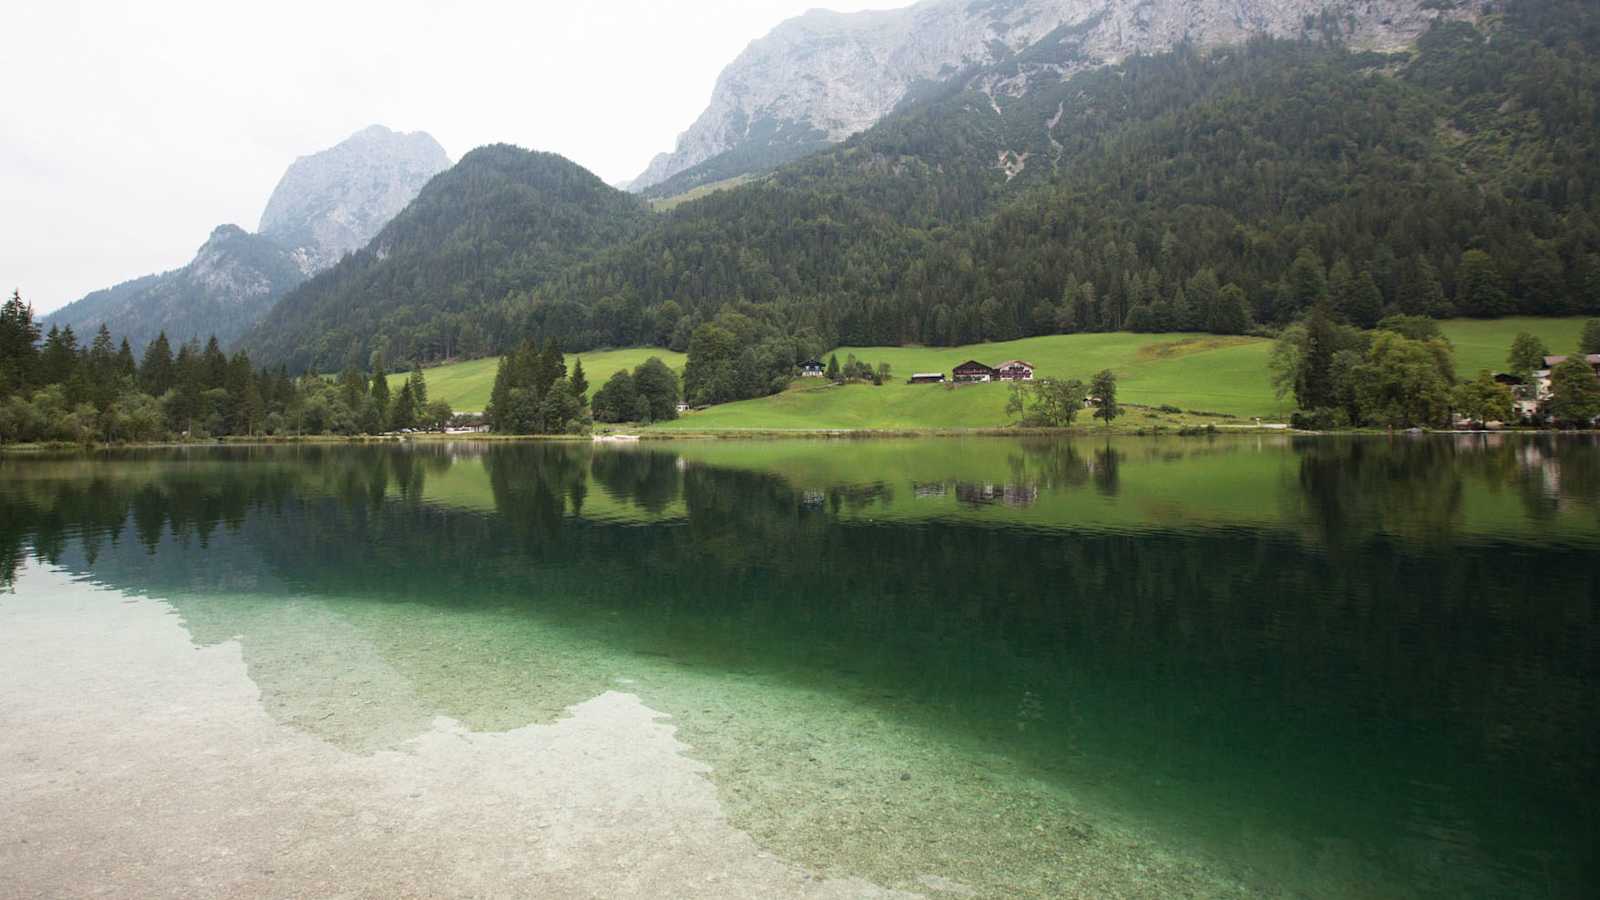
column 580, row 382
column 1590, row 342
column 1103, row 391
column 18, row 335
column 379, row 393
column 156, row 368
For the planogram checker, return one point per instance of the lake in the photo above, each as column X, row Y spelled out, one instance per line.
column 1236, row 666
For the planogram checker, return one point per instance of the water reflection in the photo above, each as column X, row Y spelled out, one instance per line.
column 1383, row 646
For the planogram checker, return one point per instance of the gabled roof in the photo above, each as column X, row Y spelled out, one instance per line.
column 1551, row 362
column 1015, row 362
column 974, row 364
column 810, row 363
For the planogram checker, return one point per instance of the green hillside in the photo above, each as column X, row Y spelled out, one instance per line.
column 1178, row 191
column 1193, row 372
column 1202, row 373
column 465, row 386
column 431, row 284
column 1484, row 343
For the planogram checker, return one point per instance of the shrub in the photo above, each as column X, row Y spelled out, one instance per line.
column 1320, row 420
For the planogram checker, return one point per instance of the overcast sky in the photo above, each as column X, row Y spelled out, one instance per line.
column 128, row 130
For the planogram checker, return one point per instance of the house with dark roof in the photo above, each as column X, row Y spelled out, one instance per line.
column 973, row 371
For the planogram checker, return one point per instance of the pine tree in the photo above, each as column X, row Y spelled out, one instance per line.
column 213, row 366
column 1364, row 305
column 126, row 367
column 1313, row 387
column 1305, row 285
column 1232, row 315
column 156, row 369
column 580, row 382
column 1342, row 289
column 404, row 414
column 1480, row 291
column 1590, row 342
column 1420, row 291
column 19, row 358
column 58, row 360
column 379, row 395
column 100, row 371
column 419, row 389
column 499, row 411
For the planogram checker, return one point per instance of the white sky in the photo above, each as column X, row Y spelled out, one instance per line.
column 128, row 130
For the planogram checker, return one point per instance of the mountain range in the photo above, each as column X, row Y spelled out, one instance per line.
column 1426, row 158
column 326, row 205
column 1017, row 168
column 826, row 76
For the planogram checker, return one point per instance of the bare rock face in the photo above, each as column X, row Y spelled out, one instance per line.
column 232, row 281
column 825, row 75
column 327, row 204
column 334, row 202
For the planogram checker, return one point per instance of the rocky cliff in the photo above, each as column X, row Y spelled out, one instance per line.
column 325, row 206
column 233, row 280
column 334, row 202
column 824, row 76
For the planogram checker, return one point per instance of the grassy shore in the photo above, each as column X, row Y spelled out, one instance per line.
column 1213, row 375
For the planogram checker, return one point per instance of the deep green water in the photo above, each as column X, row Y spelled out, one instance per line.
column 1364, row 668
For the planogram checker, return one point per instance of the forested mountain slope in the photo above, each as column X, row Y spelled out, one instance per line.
column 824, row 76
column 500, row 222
column 1191, row 190
column 325, row 205
column 228, row 286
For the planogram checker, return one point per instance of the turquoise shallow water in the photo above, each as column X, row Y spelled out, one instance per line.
column 1362, row 668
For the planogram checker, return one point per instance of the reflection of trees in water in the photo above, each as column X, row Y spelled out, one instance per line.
column 188, row 495
column 1246, row 649
column 1500, row 650
column 646, row 478
column 1354, row 489
column 534, row 484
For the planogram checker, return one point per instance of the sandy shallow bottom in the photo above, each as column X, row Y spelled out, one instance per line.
column 134, row 765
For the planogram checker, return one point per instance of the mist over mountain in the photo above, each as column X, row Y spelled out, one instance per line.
column 824, row 76
column 325, row 206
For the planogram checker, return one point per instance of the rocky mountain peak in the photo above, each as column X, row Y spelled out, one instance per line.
column 824, row 76
column 334, row 202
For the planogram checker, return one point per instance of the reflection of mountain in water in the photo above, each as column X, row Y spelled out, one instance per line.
column 1357, row 634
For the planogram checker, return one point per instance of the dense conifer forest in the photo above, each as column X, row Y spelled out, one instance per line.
column 1183, row 191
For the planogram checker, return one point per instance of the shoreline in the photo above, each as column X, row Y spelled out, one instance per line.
column 761, row 434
